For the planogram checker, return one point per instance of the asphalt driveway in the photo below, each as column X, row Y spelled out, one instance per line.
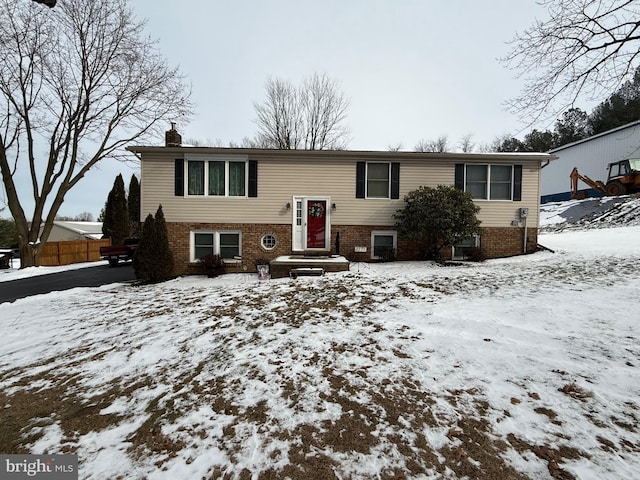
column 83, row 277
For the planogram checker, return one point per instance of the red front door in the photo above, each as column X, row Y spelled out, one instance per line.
column 316, row 224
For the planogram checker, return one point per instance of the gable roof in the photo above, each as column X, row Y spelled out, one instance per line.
column 87, row 229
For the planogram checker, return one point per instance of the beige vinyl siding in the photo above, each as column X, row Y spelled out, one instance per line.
column 280, row 179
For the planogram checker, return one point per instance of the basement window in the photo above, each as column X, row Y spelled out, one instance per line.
column 268, row 242
column 461, row 250
column 383, row 244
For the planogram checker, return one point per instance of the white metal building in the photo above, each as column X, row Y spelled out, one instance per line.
column 591, row 156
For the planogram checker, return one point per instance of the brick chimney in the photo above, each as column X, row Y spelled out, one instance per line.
column 172, row 138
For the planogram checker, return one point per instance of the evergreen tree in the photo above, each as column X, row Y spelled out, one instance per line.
column 573, row 126
column 621, row 108
column 8, row 233
column 164, row 257
column 143, row 260
column 133, row 203
column 511, row 144
column 101, row 214
column 437, row 217
column 540, row 141
column 153, row 261
column 116, row 215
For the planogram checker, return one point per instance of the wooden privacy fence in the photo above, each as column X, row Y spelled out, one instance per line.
column 73, row 251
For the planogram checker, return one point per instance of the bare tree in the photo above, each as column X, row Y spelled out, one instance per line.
column 77, row 83
column 395, row 147
column 196, row 142
column 247, row 142
column 439, row 145
column 585, row 48
column 324, row 110
column 84, row 217
column 466, row 143
column 309, row 117
column 496, row 144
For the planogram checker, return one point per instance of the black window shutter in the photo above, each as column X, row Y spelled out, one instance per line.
column 517, row 183
column 360, row 181
column 179, row 178
column 395, row 180
column 459, row 176
column 253, row 178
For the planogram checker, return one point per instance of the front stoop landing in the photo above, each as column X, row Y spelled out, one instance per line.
column 282, row 267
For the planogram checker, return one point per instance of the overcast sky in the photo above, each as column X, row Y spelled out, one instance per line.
column 412, row 69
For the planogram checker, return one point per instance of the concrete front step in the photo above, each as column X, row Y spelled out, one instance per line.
column 283, row 266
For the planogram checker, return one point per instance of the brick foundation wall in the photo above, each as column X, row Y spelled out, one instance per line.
column 507, row 241
column 252, row 250
column 495, row 242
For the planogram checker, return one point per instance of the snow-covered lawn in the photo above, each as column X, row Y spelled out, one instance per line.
column 515, row 368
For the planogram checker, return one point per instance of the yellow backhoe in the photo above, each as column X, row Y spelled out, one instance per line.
column 624, row 177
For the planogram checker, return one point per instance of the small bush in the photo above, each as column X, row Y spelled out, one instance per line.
column 475, row 254
column 212, row 265
column 261, row 261
column 387, row 254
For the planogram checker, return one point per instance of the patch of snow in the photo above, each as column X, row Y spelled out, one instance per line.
column 197, row 377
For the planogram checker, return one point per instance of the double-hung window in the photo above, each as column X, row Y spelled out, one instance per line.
column 227, row 244
column 222, row 178
column 489, row 182
column 378, row 180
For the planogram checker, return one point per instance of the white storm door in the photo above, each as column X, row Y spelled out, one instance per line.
column 298, row 224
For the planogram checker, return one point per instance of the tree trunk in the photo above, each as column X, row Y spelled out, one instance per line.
column 30, row 254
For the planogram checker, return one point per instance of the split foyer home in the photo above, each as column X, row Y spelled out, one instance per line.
column 259, row 204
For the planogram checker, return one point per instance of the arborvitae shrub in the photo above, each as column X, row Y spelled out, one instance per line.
column 116, row 214
column 133, row 204
column 143, row 259
column 153, row 261
column 164, row 260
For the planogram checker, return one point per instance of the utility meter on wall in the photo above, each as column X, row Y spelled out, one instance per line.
column 524, row 212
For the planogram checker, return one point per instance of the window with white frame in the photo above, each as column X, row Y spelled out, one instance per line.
column 489, row 182
column 226, row 244
column 378, row 180
column 223, row 178
column 383, row 244
column 461, row 249
column 268, row 241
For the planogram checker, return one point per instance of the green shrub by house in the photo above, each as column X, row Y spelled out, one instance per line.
column 437, row 217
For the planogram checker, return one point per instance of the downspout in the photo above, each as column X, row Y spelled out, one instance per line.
column 524, row 246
